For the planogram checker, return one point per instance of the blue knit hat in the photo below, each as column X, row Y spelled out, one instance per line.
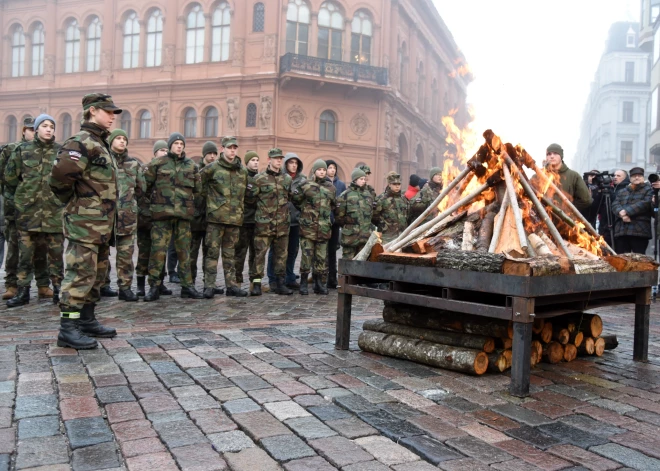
column 41, row 118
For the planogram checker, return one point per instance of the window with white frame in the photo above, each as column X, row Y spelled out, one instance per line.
column 297, row 27
column 38, row 39
column 331, row 30
column 72, row 47
column 131, row 41
column 190, row 123
column 18, row 52
column 125, row 122
column 654, row 109
column 221, row 28
column 145, row 124
column 258, row 17
column 195, row 35
column 94, row 45
column 656, row 46
column 154, row 39
column 66, row 126
column 12, row 128
column 361, row 32
column 327, row 126
column 211, row 122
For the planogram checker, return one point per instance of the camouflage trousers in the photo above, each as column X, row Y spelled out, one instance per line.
column 161, row 233
column 245, row 242
column 11, row 261
column 313, row 256
column 349, row 253
column 125, row 246
column 197, row 241
column 220, row 237
column 86, row 266
column 50, row 245
column 280, row 251
column 144, row 252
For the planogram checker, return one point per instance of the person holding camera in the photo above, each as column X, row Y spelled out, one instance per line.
column 632, row 210
column 619, row 181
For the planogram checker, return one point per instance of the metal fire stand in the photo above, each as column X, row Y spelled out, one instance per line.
column 520, row 299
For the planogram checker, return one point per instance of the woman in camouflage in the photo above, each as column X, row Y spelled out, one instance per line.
column 353, row 214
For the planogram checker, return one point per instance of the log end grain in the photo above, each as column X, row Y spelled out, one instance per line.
column 562, row 336
column 570, row 352
column 536, row 345
column 481, row 362
column 587, row 347
column 578, row 339
column 553, row 352
column 599, row 347
column 546, row 333
column 538, row 326
column 496, row 362
column 489, row 345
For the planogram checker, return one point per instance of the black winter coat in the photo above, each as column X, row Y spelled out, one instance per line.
column 636, row 201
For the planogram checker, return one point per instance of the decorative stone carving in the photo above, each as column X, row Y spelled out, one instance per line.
column 360, row 124
column 106, row 63
column 49, row 67
column 232, row 114
column 397, row 133
column 239, row 52
column 266, row 112
column 388, row 128
column 168, row 58
column 296, row 117
column 269, row 48
column 163, row 115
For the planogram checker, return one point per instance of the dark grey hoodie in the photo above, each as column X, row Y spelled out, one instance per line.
column 298, row 180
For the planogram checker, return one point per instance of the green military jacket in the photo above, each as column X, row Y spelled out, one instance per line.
column 371, row 191
column 423, row 199
column 144, row 209
column 10, row 211
column 84, row 177
column 271, row 192
column 172, row 183
column 317, row 200
column 27, row 190
column 249, row 207
column 390, row 214
column 130, row 181
column 573, row 185
column 224, row 185
column 353, row 214
column 198, row 223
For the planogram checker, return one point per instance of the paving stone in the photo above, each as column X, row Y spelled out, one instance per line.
column 87, row 431
column 212, row 421
column 133, row 430
column 199, row 458
column 41, row 451
column 143, row 390
column 165, row 367
column 34, row 427
column 175, row 380
column 166, row 416
column 460, row 404
column 533, row 455
column 397, row 429
column 240, row 406
column 198, row 402
column 355, row 403
column 286, row 447
column 332, row 393
column 309, row 428
column 351, row 428
column 71, row 390
column 430, row 449
column 534, row 436
column 4, row 462
column 228, row 394
column 328, row 412
column 415, row 466
column 481, row 451
column 590, row 425
column 123, row 411
column 306, row 464
column 261, row 396
column 340, row 451
column 75, row 408
column 188, row 391
column 109, row 380
column 260, row 425
column 179, row 433
column 159, row 403
column 35, row 406
column 583, row 457
column 143, row 446
column 250, row 382
column 91, row 458
column 113, row 394
column 521, row 414
column 160, row 461
column 7, row 440
column 575, row 393
column 286, row 410
column 575, row 436
column 367, row 466
column 437, row 428
column 386, row 451
column 230, row 441
column 34, row 388
column 251, row 459
column 465, row 464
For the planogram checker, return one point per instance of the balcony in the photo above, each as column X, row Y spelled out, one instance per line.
column 326, row 68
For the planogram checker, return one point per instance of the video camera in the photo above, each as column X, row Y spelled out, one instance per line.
column 601, row 179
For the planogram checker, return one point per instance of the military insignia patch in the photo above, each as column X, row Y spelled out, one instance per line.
column 249, row 186
column 74, row 155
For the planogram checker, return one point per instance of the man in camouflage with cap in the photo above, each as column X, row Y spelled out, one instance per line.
column 426, row 195
column 369, row 188
column 353, row 214
column 84, row 178
column 223, row 185
column 271, row 191
column 246, row 236
column 390, row 213
column 172, row 183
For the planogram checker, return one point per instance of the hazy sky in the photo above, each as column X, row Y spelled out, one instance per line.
column 533, row 63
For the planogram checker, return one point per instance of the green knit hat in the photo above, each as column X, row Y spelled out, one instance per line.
column 208, row 147
column 557, row 149
column 320, row 163
column 357, row 173
column 115, row 133
column 249, row 155
column 158, row 145
column 434, row 171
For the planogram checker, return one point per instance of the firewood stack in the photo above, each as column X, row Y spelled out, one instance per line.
column 476, row 345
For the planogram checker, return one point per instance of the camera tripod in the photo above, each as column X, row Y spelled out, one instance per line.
column 606, row 195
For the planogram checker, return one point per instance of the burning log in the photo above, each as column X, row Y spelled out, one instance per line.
column 513, row 202
column 499, row 223
column 448, row 238
column 455, row 339
column 473, row 261
column 497, row 362
column 433, row 354
column 611, row 342
column 419, row 260
column 468, row 236
column 365, row 253
column 632, row 262
column 375, row 251
column 558, row 212
column 540, row 247
column 579, row 252
column 553, row 352
column 419, row 246
column 561, row 335
column 486, row 231
column 551, row 245
column 592, row 266
column 587, row 347
column 540, row 266
column 570, row 352
column 508, row 243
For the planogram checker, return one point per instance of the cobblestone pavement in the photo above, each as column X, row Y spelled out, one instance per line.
column 255, row 384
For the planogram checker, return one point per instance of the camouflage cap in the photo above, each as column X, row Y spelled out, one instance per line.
column 28, row 122
column 393, row 177
column 275, row 153
column 365, row 169
column 101, row 101
column 229, row 141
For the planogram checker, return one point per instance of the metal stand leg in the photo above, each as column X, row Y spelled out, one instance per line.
column 520, row 361
column 642, row 315
column 343, row 316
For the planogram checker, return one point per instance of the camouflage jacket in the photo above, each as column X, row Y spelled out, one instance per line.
column 317, row 200
column 353, row 214
column 390, row 214
column 172, row 183
column 271, row 192
column 224, row 185
column 10, row 211
column 249, row 208
column 144, row 210
column 27, row 190
column 198, row 223
column 371, row 191
column 423, row 199
column 130, row 181
column 84, row 177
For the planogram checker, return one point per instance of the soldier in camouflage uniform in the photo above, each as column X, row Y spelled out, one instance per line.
column 223, row 184
column 316, row 200
column 390, row 214
column 426, row 195
column 11, row 233
column 172, row 183
column 144, row 233
column 84, row 178
column 246, row 236
column 38, row 212
column 271, row 191
column 367, row 172
column 353, row 214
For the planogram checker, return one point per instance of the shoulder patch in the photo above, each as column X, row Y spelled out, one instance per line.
column 74, row 155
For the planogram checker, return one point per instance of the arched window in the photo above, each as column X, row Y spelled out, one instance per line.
column 125, row 122
column 221, row 25
column 361, row 32
column 190, row 123
column 327, row 126
column 331, row 29
column 195, row 36
column 38, row 40
column 403, row 51
column 297, row 27
column 12, row 129
column 94, row 45
column 251, row 116
column 421, row 84
column 258, row 17
column 145, row 124
column 131, row 41
column 154, row 39
column 211, row 122
column 66, row 126
column 18, row 52
column 72, row 47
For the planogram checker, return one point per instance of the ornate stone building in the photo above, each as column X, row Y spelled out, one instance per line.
column 358, row 81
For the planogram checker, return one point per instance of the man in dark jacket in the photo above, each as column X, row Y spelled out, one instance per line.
column 333, row 243
column 620, row 181
column 246, row 237
column 633, row 210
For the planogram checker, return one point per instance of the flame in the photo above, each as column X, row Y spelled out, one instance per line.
column 461, row 70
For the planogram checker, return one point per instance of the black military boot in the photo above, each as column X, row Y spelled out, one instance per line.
column 153, row 294
column 127, row 295
column 190, row 292
column 164, row 290
column 256, row 288
column 89, row 326
column 140, row 286
column 56, row 294
column 281, row 287
column 70, row 334
column 108, row 292
column 236, row 291
column 22, row 297
column 209, row 293
column 321, row 281
column 217, row 290
column 294, row 285
column 304, row 290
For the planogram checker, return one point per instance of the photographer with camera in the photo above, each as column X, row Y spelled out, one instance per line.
column 610, row 185
column 594, row 180
column 633, row 210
